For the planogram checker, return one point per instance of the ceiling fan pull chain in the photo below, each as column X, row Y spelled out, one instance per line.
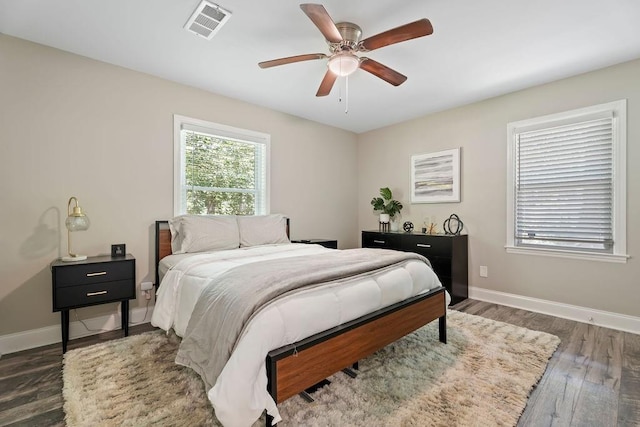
column 346, row 94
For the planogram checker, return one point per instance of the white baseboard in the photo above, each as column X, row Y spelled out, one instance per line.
column 607, row 319
column 19, row 341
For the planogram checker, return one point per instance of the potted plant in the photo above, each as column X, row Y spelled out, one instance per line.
column 386, row 205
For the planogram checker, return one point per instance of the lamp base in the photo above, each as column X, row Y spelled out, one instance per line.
column 73, row 258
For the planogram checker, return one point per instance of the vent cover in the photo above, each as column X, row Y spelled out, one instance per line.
column 207, row 20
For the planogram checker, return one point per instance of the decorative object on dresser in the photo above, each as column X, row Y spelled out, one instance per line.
column 76, row 220
column 453, row 225
column 327, row 243
column 435, row 177
column 387, row 206
column 96, row 280
column 407, row 226
column 447, row 254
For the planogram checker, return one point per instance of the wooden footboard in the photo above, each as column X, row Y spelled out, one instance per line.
column 293, row 368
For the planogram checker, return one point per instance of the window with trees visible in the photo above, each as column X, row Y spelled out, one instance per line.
column 219, row 170
column 567, row 184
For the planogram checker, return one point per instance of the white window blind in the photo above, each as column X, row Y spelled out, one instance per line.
column 564, row 186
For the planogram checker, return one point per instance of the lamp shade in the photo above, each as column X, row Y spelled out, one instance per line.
column 76, row 221
column 343, row 64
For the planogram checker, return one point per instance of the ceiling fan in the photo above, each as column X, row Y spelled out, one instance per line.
column 344, row 42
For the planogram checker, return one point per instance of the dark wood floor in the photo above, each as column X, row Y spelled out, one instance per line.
column 593, row 379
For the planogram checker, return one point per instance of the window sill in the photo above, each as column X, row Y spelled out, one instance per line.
column 617, row 258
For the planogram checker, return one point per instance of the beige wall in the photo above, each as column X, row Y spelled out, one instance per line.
column 480, row 129
column 71, row 126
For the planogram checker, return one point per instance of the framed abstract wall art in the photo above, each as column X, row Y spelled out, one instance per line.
column 435, row 177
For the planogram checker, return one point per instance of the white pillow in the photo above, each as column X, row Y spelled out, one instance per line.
column 200, row 233
column 262, row 230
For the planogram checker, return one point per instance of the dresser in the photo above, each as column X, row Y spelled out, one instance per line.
column 447, row 253
column 96, row 280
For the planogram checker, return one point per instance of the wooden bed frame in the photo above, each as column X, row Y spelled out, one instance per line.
column 294, row 368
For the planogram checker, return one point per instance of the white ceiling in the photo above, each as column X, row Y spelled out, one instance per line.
column 479, row 49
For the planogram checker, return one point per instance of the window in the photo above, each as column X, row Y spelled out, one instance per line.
column 219, row 170
column 567, row 184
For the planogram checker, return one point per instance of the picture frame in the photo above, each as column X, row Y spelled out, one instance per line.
column 435, row 177
column 118, row 250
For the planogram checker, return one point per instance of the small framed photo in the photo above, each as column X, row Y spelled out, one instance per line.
column 435, row 177
column 118, row 250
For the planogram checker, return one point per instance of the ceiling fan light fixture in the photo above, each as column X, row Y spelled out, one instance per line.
column 343, row 64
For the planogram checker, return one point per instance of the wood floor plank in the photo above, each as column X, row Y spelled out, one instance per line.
column 598, row 400
column 32, row 388
column 22, row 413
column 629, row 404
column 53, row 418
column 557, row 393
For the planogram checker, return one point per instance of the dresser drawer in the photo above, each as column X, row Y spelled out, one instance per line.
column 97, row 293
column 428, row 246
column 380, row 240
column 93, row 273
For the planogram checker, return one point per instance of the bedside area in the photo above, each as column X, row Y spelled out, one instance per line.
column 96, row 280
column 327, row 243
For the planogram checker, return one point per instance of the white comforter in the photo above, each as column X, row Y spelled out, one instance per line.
column 240, row 393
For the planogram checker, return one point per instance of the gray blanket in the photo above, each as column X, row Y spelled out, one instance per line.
column 228, row 302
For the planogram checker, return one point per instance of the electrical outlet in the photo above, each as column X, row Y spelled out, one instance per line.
column 146, row 286
column 484, row 271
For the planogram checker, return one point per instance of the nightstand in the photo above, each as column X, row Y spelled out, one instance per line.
column 327, row 243
column 96, row 280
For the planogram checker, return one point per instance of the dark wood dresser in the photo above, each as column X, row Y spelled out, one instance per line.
column 447, row 253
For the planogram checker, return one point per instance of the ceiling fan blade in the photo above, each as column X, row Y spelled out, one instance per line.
column 291, row 59
column 327, row 84
column 318, row 14
column 382, row 71
column 399, row 34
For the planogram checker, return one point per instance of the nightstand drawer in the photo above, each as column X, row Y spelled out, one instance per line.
column 83, row 295
column 93, row 273
column 428, row 246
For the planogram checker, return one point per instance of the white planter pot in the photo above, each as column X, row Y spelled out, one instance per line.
column 384, row 218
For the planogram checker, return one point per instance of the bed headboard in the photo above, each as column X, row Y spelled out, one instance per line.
column 163, row 243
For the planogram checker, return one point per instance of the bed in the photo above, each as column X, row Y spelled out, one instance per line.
column 298, row 338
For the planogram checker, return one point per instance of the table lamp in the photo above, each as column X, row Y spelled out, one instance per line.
column 76, row 221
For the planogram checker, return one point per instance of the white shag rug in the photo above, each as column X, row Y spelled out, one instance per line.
column 481, row 377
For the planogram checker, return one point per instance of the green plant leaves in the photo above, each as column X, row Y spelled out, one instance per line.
column 386, row 193
column 391, row 206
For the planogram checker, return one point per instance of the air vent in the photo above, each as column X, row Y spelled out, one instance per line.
column 207, row 20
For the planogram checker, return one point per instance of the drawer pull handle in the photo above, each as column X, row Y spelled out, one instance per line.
column 422, row 245
column 100, row 273
column 93, row 294
column 379, row 241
